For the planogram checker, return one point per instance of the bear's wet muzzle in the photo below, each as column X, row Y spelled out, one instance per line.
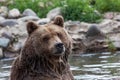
column 59, row 48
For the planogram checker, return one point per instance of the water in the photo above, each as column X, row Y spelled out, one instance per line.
column 5, row 65
column 91, row 66
column 98, row 66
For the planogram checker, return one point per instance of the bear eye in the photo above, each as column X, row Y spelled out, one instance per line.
column 59, row 35
column 46, row 38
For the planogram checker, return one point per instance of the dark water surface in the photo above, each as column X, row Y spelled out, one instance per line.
column 91, row 66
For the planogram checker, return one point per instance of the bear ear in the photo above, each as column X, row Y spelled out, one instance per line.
column 31, row 26
column 59, row 21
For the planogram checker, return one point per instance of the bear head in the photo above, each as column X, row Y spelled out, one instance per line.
column 51, row 39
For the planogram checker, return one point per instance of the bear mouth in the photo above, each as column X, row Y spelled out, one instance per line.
column 59, row 53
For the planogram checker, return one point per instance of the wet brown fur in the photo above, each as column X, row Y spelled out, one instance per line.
column 36, row 61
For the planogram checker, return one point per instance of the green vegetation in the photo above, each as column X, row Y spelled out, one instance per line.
column 107, row 5
column 83, row 10
column 41, row 7
column 80, row 10
column 111, row 46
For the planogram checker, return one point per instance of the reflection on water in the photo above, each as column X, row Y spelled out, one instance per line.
column 92, row 66
column 5, row 65
column 98, row 66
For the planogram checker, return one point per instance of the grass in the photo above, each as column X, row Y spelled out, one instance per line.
column 107, row 5
column 82, row 10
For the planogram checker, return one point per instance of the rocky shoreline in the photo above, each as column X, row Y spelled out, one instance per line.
column 87, row 37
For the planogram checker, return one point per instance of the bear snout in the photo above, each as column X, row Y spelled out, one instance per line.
column 59, row 48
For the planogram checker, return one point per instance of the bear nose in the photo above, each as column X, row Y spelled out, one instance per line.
column 59, row 47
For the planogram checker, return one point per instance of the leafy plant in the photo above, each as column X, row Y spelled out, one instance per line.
column 111, row 46
column 41, row 7
column 80, row 10
column 83, row 10
column 107, row 5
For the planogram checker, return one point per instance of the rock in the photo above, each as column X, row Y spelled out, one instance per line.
column 78, row 46
column 72, row 26
column 72, row 23
column 2, row 18
column 3, row 11
column 4, row 42
column 77, row 37
column 77, row 30
column 1, row 53
column 15, row 47
column 14, row 13
column 109, row 15
column 117, row 18
column 77, row 34
column 77, row 27
column 6, row 1
column 117, row 44
column 1, row 1
column 7, row 35
column 97, row 46
column 8, row 54
column 43, row 21
column 95, row 40
column 29, row 12
column 105, row 22
column 85, row 25
column 108, row 25
column 28, row 18
column 54, row 12
column 18, row 30
column 114, row 38
column 94, row 31
column 8, row 22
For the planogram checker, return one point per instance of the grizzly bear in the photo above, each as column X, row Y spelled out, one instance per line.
column 45, row 53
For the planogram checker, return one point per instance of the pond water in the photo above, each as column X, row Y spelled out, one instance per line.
column 90, row 66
